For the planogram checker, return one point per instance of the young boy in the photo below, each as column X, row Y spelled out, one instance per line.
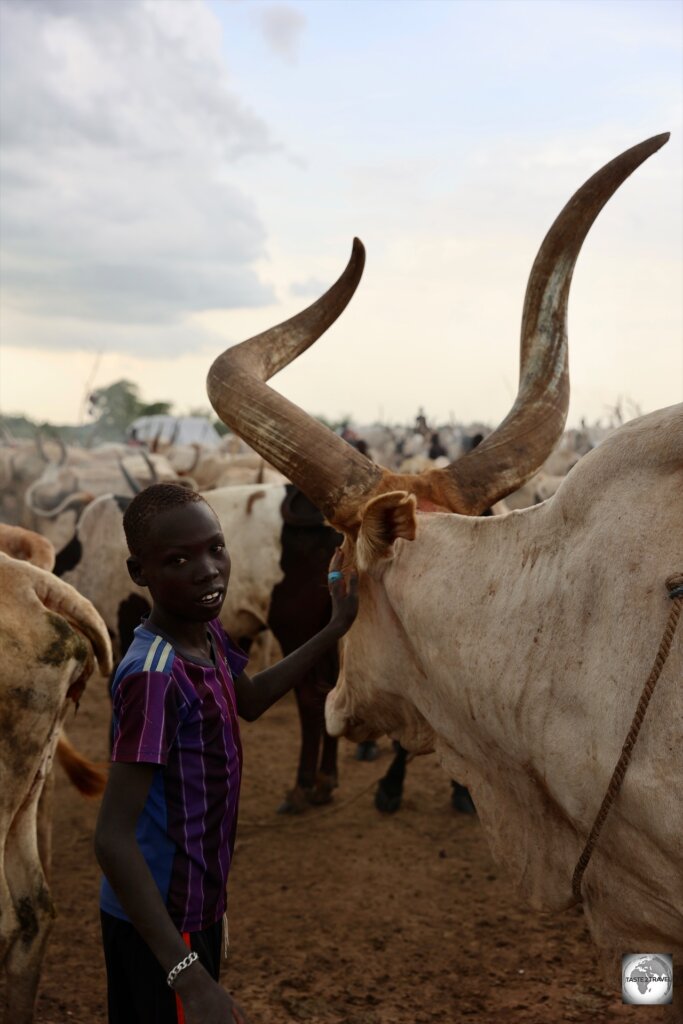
column 166, row 830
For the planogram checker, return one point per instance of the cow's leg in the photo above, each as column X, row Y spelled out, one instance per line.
column 311, row 716
column 390, row 788
column 311, row 706
column 9, row 923
column 327, row 778
column 33, row 908
column 328, row 761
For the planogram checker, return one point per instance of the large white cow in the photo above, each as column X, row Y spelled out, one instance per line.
column 50, row 637
column 516, row 646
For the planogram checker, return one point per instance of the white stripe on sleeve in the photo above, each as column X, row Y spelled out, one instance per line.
column 163, row 658
column 150, row 654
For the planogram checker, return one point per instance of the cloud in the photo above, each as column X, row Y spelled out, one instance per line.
column 282, row 27
column 120, row 135
column 312, row 288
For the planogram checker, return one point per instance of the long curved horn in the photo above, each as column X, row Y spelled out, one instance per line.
column 71, row 501
column 336, row 475
column 62, row 447
column 154, row 476
column 40, row 447
column 130, row 480
column 525, row 438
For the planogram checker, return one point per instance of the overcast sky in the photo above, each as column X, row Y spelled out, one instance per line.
column 177, row 175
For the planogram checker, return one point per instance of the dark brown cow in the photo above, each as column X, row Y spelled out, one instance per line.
column 299, row 608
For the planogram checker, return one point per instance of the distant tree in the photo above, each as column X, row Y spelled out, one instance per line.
column 113, row 408
column 17, row 428
column 338, row 425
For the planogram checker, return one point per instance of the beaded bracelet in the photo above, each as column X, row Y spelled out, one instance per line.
column 175, row 971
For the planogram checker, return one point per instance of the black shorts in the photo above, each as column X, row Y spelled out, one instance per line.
column 137, row 992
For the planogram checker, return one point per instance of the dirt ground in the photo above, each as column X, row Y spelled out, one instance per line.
column 343, row 916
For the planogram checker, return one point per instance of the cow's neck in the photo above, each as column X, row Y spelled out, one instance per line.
column 513, row 627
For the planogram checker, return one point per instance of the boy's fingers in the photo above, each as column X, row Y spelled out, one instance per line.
column 335, row 575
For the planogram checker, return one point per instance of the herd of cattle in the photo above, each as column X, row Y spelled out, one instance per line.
column 515, row 644
column 61, row 523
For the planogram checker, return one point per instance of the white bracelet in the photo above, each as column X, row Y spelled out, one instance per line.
column 175, row 971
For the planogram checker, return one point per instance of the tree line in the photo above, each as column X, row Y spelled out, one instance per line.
column 110, row 411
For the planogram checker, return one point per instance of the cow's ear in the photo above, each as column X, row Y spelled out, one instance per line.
column 383, row 520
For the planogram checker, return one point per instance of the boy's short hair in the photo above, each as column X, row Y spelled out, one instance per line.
column 150, row 503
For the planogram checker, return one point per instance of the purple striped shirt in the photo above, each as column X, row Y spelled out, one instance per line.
column 179, row 712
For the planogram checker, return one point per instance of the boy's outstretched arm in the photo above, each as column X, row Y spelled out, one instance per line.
column 254, row 696
column 204, row 1001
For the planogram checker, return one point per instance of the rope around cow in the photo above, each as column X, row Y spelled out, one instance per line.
column 674, row 585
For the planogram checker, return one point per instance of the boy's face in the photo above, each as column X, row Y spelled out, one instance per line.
column 185, row 563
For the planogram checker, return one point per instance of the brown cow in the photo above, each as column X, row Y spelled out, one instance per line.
column 50, row 638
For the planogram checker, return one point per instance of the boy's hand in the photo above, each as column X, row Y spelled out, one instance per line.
column 209, row 1003
column 344, row 593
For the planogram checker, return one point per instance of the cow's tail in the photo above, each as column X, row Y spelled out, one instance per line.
column 88, row 778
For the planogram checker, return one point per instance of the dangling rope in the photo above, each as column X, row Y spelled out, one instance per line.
column 675, row 587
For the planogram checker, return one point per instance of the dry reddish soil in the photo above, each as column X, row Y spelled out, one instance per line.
column 343, row 916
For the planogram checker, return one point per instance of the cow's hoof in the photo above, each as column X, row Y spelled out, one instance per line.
column 386, row 801
column 321, row 793
column 461, row 800
column 367, row 751
column 296, row 801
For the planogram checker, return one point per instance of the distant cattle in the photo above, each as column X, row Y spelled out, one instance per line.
column 55, row 500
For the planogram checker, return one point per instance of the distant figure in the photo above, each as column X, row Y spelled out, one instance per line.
column 361, row 446
column 436, row 449
column 350, row 435
column 474, row 441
